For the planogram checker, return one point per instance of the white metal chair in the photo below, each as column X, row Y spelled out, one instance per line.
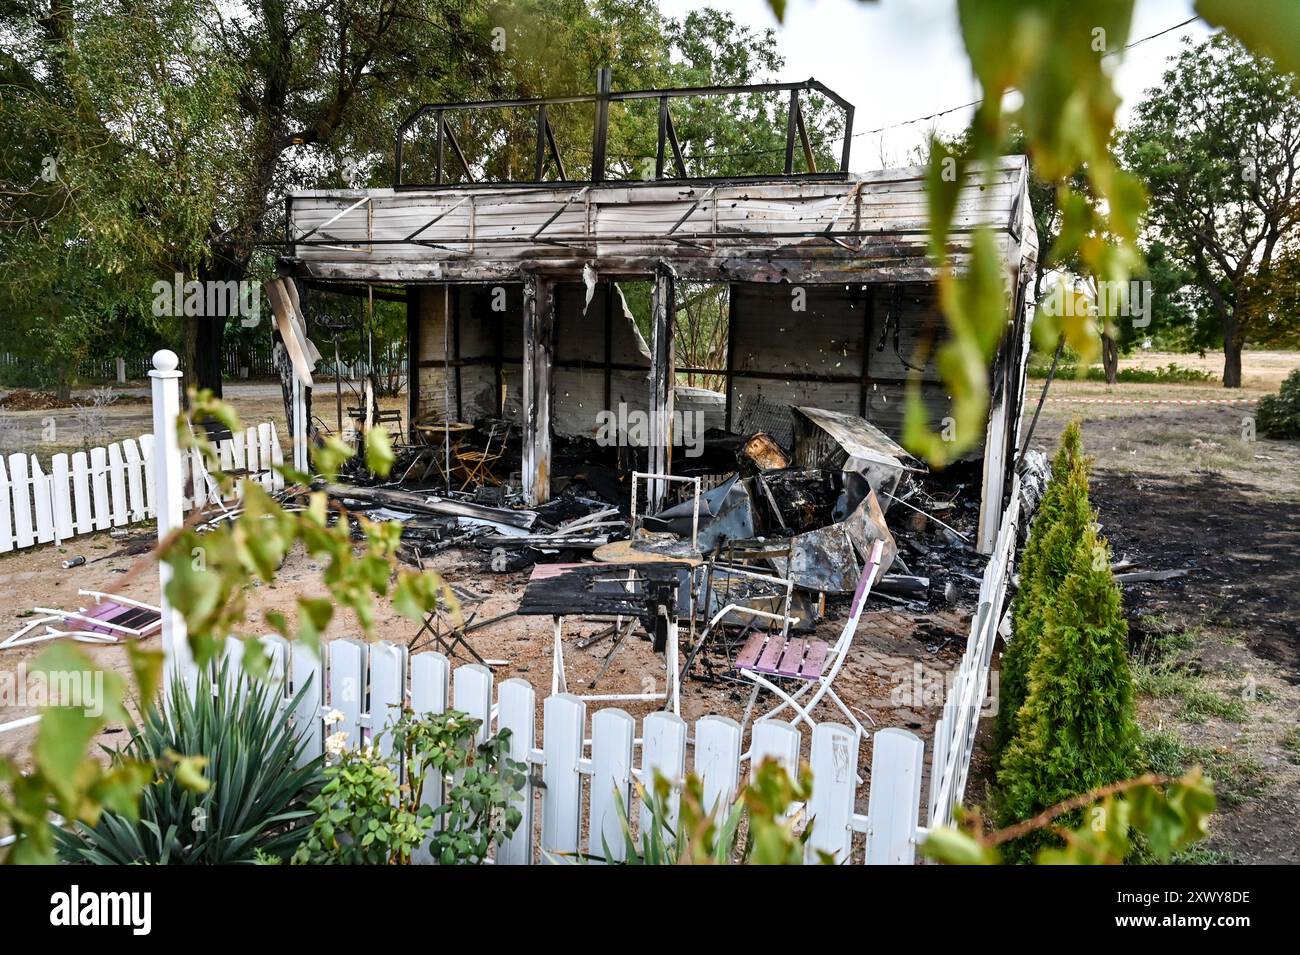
column 111, row 618
column 814, row 664
column 741, row 609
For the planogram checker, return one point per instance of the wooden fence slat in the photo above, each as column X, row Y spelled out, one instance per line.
column 307, row 671
column 22, row 500
column 663, row 750
column 430, row 676
column 252, row 454
column 81, row 492
column 134, row 480
column 277, row 460
column 277, row 650
column 777, row 740
column 150, row 491
column 430, row 673
column 472, row 694
column 6, row 511
column 717, row 761
column 894, row 803
column 387, row 690
column 117, row 484
column 563, row 718
column 238, row 459
column 834, row 764
column 937, row 756
column 612, row 733
column 232, row 656
column 44, row 506
column 226, row 455
column 517, row 712
column 61, row 494
column 347, row 662
column 264, row 454
column 99, row 482
column 194, row 479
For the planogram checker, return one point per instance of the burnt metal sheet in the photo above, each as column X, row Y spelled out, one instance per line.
column 726, row 513
column 866, row 525
column 866, row 456
column 824, row 560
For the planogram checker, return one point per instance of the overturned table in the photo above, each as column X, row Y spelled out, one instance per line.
column 654, row 594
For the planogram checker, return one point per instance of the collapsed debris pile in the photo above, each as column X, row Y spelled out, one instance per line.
column 818, row 502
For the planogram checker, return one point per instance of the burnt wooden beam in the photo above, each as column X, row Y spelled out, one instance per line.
column 609, row 345
column 498, row 358
column 455, row 147
column 659, row 147
column 731, row 355
column 678, row 159
column 662, row 378
column 539, row 164
column 808, row 157
column 455, row 344
column 439, row 148
column 868, row 317
column 792, row 112
column 412, row 359
column 555, row 152
column 539, row 353
column 604, row 84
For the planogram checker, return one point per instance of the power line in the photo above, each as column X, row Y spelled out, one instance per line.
column 953, row 109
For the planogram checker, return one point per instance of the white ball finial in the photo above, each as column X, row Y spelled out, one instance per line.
column 165, row 360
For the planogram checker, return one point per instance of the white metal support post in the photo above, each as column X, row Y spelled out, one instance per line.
column 299, row 425
column 165, row 382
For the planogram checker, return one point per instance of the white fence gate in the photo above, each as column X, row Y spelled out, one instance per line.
column 114, row 486
column 587, row 767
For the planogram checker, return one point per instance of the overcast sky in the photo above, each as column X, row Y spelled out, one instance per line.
column 899, row 59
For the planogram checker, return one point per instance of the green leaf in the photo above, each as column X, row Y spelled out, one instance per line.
column 379, row 451
column 1270, row 27
column 147, row 668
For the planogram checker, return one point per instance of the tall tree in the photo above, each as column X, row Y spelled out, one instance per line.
column 1218, row 145
column 178, row 125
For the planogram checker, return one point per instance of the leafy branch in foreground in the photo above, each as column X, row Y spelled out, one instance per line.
column 1168, row 814
column 711, row 835
column 211, row 573
column 212, row 570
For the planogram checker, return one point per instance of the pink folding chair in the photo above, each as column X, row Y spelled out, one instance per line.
column 809, row 663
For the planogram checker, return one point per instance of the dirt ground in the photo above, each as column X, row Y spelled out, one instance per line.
column 1177, row 485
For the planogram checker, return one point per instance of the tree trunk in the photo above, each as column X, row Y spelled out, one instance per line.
column 1231, row 363
column 1110, row 357
column 204, row 337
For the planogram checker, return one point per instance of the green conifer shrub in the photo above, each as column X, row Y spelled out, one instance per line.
column 1041, row 575
column 1076, row 730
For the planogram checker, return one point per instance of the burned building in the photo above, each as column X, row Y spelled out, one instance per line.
column 515, row 290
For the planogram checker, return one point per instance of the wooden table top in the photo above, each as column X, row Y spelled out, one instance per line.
column 625, row 552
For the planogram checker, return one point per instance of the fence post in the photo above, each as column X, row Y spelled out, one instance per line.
column 167, row 479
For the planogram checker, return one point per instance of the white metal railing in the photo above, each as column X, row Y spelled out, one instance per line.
column 954, row 733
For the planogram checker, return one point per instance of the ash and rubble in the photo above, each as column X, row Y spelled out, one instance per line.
column 825, row 492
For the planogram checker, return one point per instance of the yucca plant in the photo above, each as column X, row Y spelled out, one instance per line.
column 254, row 807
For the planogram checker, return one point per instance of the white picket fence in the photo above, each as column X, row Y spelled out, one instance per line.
column 114, row 486
column 586, row 767
column 954, row 733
